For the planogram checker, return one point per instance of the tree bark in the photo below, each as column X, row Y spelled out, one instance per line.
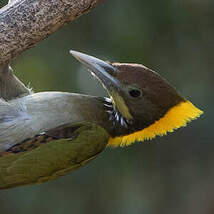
column 10, row 86
column 23, row 23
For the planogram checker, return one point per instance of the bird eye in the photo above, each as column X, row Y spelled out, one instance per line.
column 135, row 93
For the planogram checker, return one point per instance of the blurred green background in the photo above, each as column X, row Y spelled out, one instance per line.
column 169, row 175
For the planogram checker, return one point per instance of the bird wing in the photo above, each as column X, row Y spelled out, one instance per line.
column 72, row 146
column 67, row 131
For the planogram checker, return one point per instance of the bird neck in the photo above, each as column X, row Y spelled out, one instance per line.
column 176, row 117
column 116, row 124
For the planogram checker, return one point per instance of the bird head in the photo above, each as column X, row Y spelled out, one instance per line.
column 144, row 104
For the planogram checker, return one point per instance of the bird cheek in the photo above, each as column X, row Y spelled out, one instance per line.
column 121, row 105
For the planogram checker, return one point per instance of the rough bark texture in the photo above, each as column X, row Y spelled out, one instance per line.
column 23, row 23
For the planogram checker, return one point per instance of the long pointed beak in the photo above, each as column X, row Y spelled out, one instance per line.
column 101, row 69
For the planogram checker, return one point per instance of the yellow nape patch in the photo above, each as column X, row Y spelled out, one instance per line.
column 178, row 116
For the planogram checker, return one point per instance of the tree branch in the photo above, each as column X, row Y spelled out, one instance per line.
column 10, row 86
column 23, row 23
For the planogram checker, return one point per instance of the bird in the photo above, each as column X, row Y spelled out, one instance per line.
column 48, row 134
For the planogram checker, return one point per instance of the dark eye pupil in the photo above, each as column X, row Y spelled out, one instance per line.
column 135, row 93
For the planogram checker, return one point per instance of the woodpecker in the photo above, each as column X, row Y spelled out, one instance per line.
column 48, row 134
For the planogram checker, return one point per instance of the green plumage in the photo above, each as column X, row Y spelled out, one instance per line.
column 53, row 159
column 49, row 134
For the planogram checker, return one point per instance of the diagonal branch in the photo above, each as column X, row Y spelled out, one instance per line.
column 10, row 86
column 23, row 23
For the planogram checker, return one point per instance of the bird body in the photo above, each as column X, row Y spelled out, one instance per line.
column 51, row 160
column 48, row 134
column 36, row 113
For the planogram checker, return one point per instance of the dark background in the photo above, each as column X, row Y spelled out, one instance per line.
column 170, row 175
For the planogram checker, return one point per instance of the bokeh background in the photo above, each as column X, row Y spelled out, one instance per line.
column 172, row 174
